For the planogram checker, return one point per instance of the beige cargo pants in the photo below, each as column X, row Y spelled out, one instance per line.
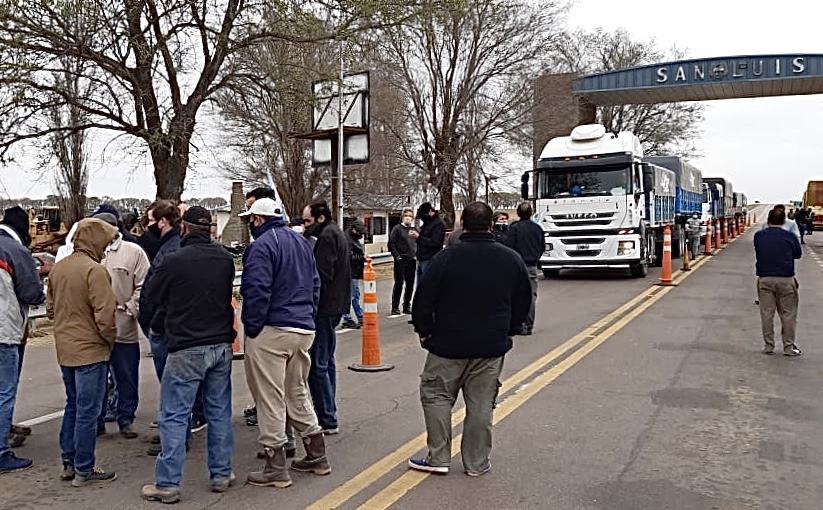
column 779, row 294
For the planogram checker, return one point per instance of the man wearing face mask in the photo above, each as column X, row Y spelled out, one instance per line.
column 430, row 238
column 280, row 328
column 150, row 240
column 403, row 250
column 501, row 227
column 194, row 285
column 358, row 259
column 693, row 233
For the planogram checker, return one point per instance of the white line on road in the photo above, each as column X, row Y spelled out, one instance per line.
column 42, row 419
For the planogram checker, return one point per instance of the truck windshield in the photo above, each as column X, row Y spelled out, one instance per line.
column 584, row 182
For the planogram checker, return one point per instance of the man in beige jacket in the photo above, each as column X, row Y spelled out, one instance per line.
column 81, row 302
column 127, row 265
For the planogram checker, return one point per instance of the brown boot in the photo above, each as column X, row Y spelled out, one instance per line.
column 315, row 460
column 274, row 473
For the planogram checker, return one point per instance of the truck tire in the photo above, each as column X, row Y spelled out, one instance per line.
column 678, row 242
column 551, row 273
column 641, row 269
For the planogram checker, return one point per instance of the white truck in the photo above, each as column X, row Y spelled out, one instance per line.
column 599, row 203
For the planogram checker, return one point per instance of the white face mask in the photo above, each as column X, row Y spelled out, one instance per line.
column 408, row 221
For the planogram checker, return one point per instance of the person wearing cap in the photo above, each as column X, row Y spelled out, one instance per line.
column 280, row 329
column 194, row 286
column 355, row 233
column 127, row 265
column 83, row 307
column 110, row 209
column 20, row 287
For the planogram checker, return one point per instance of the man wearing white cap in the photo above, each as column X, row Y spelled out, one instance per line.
column 280, row 329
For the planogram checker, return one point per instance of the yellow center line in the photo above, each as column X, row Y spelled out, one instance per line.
column 371, row 474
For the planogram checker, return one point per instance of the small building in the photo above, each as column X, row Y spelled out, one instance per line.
column 380, row 213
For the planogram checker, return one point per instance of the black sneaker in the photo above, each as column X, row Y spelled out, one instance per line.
column 67, row 471
column 251, row 421
column 128, row 432
column 394, row 312
column 198, row 423
column 98, row 476
column 9, row 463
column 250, row 411
column 407, row 311
column 351, row 325
column 794, row 351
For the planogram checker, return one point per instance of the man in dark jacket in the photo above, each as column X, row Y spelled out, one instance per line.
column 331, row 252
column 281, row 291
column 529, row 241
column 355, row 235
column 776, row 250
column 474, row 298
column 20, row 287
column 194, row 285
column 430, row 238
column 403, row 250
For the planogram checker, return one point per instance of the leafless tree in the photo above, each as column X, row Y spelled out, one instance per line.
column 153, row 63
column 466, row 69
column 663, row 128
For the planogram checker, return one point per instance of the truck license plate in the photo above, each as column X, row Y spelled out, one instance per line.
column 582, row 247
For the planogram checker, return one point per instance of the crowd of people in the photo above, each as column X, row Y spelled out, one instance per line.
column 300, row 279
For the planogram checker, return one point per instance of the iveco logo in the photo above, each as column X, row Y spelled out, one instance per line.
column 581, row 215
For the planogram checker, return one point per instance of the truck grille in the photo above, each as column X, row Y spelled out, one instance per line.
column 582, row 240
column 583, row 253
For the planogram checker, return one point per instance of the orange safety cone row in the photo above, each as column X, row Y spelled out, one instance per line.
column 717, row 235
column 707, row 246
column 666, row 272
column 370, row 355
column 237, row 350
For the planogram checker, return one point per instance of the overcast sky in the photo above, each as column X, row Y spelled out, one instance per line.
column 768, row 147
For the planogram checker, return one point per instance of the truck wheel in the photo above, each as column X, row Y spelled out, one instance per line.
column 678, row 242
column 551, row 273
column 641, row 269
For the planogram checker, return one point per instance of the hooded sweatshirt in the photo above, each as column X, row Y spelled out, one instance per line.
column 80, row 298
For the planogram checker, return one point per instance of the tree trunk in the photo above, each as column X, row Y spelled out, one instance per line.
column 445, row 190
column 170, row 169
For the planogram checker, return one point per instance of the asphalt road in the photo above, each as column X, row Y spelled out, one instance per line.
column 663, row 403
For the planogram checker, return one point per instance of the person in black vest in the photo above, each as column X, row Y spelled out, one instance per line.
column 474, row 299
column 528, row 239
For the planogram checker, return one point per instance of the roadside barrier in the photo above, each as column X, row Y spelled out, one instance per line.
column 370, row 355
column 666, row 273
column 707, row 246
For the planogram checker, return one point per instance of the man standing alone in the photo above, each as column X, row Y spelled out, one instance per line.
column 474, row 298
column 529, row 241
column 194, row 285
column 331, row 252
column 82, row 305
column 403, row 250
column 20, row 287
column 281, row 290
column 776, row 250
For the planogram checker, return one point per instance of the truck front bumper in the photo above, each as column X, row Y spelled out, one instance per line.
column 614, row 252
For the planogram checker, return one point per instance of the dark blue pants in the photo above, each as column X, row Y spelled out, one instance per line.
column 323, row 372
column 125, row 367
column 159, row 353
column 85, row 392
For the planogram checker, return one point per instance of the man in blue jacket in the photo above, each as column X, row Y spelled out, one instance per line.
column 20, row 287
column 280, row 328
column 474, row 298
column 776, row 250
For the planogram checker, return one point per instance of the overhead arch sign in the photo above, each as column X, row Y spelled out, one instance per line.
column 706, row 79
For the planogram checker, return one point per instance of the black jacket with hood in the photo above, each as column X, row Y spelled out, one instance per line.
column 333, row 256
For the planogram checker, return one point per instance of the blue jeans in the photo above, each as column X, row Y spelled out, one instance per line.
column 9, row 377
column 355, row 302
column 422, row 265
column 186, row 370
column 125, row 367
column 323, row 372
column 159, row 353
column 85, row 392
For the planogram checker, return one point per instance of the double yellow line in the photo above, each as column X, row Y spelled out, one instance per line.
column 590, row 338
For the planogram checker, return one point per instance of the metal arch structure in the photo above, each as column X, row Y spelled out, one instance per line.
column 706, row 80
column 564, row 101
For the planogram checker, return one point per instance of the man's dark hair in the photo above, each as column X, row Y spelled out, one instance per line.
column 777, row 217
column 320, row 208
column 500, row 214
column 261, row 192
column 165, row 209
column 524, row 211
column 477, row 217
column 424, row 210
column 780, row 207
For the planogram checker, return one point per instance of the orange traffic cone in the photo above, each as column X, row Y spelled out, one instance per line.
column 707, row 246
column 724, row 226
column 236, row 348
column 754, row 218
column 370, row 355
column 686, row 260
column 748, row 221
column 666, row 273
column 732, row 229
column 717, row 230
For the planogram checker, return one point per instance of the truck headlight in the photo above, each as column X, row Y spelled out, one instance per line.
column 625, row 247
column 549, row 247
